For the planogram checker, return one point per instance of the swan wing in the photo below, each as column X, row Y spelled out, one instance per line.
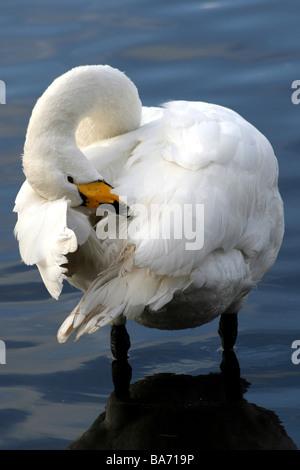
column 206, row 161
column 44, row 235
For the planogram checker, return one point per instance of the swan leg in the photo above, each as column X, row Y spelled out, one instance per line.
column 121, row 376
column 230, row 371
column 228, row 329
column 119, row 342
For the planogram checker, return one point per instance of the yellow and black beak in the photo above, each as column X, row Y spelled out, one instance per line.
column 96, row 193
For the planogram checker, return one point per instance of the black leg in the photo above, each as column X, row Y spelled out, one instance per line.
column 230, row 371
column 119, row 342
column 228, row 329
column 121, row 376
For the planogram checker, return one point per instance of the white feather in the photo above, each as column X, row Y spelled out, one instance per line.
column 181, row 156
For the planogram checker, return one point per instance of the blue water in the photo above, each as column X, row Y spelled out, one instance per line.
column 241, row 54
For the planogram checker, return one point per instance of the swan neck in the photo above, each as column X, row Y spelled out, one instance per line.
column 86, row 104
column 97, row 102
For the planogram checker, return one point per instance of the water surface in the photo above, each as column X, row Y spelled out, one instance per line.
column 240, row 54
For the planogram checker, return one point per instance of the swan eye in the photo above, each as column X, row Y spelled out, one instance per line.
column 70, row 179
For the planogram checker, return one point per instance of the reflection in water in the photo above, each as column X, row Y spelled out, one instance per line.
column 182, row 412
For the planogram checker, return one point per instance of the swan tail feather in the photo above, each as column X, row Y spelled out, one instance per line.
column 90, row 314
column 102, row 303
column 120, row 293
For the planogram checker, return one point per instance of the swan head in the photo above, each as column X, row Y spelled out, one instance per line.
column 68, row 176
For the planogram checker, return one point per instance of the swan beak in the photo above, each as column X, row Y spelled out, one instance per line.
column 96, row 193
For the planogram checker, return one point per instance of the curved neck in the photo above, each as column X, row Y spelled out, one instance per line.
column 101, row 100
column 100, row 93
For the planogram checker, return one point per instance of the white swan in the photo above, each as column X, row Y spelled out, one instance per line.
column 89, row 127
